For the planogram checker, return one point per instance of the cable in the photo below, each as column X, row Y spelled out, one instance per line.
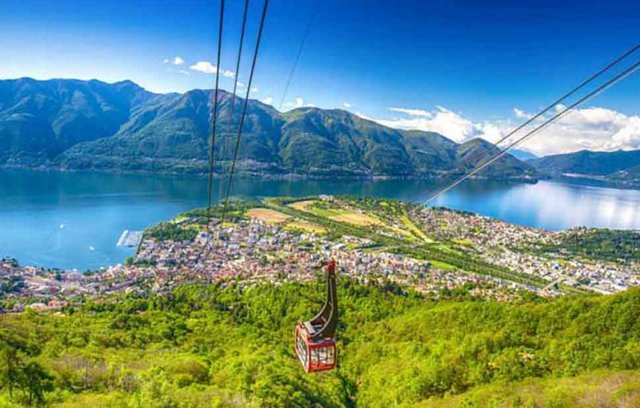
column 235, row 81
column 619, row 77
column 244, row 109
column 295, row 62
column 562, row 98
column 225, row 146
column 214, row 118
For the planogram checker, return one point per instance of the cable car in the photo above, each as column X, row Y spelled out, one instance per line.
column 315, row 340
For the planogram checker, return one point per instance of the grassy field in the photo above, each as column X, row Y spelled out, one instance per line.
column 267, row 215
column 302, row 205
column 362, row 220
column 305, row 226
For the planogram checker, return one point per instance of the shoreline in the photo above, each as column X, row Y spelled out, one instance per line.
column 272, row 176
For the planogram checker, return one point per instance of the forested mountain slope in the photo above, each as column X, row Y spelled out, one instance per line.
column 92, row 125
column 232, row 347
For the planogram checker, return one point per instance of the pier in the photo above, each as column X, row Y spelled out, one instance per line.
column 129, row 239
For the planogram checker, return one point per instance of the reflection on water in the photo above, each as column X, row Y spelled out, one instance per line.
column 73, row 220
column 553, row 206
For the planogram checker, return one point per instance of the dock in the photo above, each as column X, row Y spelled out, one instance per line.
column 129, row 239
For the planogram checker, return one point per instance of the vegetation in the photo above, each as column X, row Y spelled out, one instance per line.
column 91, row 125
column 600, row 244
column 617, row 169
column 171, row 231
column 589, row 163
column 231, row 346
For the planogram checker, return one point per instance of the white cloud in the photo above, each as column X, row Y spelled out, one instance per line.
column 254, row 90
column 441, row 120
column 296, row 103
column 204, row 66
column 208, row 68
column 591, row 128
column 185, row 72
column 173, row 61
column 347, row 105
column 520, row 114
column 268, row 100
column 412, row 112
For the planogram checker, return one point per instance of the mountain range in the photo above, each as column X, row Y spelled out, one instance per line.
column 73, row 124
column 91, row 125
column 620, row 168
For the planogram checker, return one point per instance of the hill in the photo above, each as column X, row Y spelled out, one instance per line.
column 231, row 347
column 91, row 125
column 619, row 168
column 523, row 155
column 41, row 119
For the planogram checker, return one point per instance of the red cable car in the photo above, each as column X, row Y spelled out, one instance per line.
column 315, row 339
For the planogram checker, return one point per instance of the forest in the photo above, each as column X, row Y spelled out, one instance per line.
column 230, row 345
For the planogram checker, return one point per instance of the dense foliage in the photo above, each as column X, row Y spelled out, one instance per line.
column 230, row 347
column 601, row 244
column 171, row 231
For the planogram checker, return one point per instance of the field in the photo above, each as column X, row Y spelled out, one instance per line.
column 267, row 215
column 356, row 219
column 305, row 226
column 302, row 205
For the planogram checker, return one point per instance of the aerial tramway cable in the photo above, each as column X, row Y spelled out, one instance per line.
column 235, row 86
column 562, row 98
column 214, row 115
column 297, row 59
column 611, row 82
column 244, row 109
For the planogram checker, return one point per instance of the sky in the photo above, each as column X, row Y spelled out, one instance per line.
column 463, row 68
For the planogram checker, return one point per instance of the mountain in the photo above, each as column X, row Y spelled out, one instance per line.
column 523, row 154
column 92, row 125
column 41, row 119
column 621, row 168
column 475, row 151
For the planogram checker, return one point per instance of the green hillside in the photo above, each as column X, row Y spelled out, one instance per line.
column 203, row 346
column 620, row 168
column 92, row 125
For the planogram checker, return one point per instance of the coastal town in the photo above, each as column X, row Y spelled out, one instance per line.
column 431, row 250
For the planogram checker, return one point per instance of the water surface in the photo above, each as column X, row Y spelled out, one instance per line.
column 73, row 220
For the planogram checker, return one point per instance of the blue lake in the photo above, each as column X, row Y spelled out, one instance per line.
column 73, row 220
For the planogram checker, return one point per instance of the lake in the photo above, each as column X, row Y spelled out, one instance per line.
column 73, row 220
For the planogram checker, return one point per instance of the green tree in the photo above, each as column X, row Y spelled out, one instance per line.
column 35, row 381
column 11, row 368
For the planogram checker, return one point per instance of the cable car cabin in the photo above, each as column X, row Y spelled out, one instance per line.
column 315, row 339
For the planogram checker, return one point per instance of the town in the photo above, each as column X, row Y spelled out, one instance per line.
column 431, row 250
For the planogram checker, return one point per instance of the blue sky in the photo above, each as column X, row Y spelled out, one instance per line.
column 478, row 60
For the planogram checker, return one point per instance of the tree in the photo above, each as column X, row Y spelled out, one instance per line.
column 12, row 366
column 35, row 381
